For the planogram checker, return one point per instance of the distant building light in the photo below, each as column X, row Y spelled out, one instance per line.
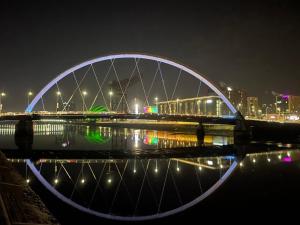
column 293, row 117
column 209, row 162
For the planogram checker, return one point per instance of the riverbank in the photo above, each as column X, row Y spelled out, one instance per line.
column 18, row 203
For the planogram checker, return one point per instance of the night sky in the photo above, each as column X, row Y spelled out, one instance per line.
column 247, row 44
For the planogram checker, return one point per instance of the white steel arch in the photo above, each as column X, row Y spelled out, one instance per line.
column 133, row 218
column 130, row 56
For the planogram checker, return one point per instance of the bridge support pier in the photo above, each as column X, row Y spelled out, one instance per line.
column 24, row 134
column 200, row 133
column 241, row 132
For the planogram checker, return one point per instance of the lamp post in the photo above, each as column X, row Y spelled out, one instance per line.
column 29, row 94
column 177, row 101
column 266, row 110
column 208, row 101
column 156, row 102
column 136, row 106
column 1, row 105
column 110, row 93
column 229, row 89
column 58, row 94
column 84, row 93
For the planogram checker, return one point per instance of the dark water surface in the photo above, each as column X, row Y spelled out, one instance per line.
column 160, row 174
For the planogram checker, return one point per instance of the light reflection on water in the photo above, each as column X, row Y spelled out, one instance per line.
column 133, row 188
column 58, row 136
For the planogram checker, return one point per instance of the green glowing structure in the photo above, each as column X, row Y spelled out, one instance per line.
column 98, row 109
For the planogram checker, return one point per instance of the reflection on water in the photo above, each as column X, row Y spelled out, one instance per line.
column 132, row 188
column 61, row 136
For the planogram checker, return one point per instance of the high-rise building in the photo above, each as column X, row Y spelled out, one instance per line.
column 287, row 104
column 294, row 104
column 237, row 97
column 252, row 106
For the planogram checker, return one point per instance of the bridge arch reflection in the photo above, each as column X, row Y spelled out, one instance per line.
column 119, row 173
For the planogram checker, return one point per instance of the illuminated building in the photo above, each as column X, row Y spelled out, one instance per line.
column 237, row 97
column 288, row 104
column 252, row 106
column 150, row 109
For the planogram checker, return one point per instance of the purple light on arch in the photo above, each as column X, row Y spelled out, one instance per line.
column 130, row 56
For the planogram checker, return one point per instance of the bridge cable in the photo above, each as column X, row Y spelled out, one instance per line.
column 97, row 186
column 149, row 184
column 123, row 181
column 80, row 173
column 165, row 90
column 105, row 78
column 176, row 84
column 92, row 171
column 121, row 88
column 163, row 188
column 119, row 184
column 100, row 89
column 60, row 95
column 176, row 188
column 198, row 92
column 152, row 83
column 123, row 95
column 80, row 92
column 198, row 178
column 76, row 88
column 140, row 76
column 66, row 172
column 141, row 188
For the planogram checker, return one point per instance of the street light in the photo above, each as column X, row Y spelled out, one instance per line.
column 1, row 106
column 208, row 101
column 110, row 95
column 156, row 102
column 58, row 94
column 84, row 93
column 229, row 89
column 29, row 94
column 266, row 110
column 136, row 106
